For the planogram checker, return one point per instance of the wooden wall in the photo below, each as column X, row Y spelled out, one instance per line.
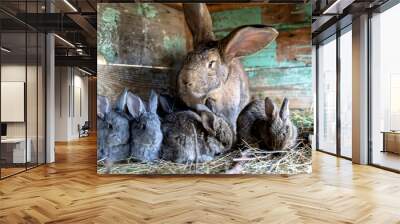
column 141, row 45
column 284, row 67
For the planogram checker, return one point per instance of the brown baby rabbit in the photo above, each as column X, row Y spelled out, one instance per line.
column 193, row 136
column 261, row 123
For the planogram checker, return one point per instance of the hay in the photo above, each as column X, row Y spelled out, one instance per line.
column 293, row 161
column 244, row 160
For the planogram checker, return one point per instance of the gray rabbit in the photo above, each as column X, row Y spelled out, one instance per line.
column 195, row 136
column 146, row 135
column 261, row 123
column 103, row 108
column 113, row 129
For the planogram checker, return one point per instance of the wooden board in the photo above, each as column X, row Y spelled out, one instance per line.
column 142, row 46
column 113, row 79
column 282, row 69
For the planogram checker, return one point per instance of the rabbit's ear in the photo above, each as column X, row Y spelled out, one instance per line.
column 247, row 40
column 103, row 106
column 153, row 102
column 271, row 110
column 209, row 122
column 120, row 104
column 284, row 113
column 135, row 105
column 199, row 21
column 166, row 103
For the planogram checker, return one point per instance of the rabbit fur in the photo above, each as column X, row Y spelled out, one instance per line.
column 146, row 135
column 113, row 129
column 195, row 136
column 212, row 70
column 261, row 123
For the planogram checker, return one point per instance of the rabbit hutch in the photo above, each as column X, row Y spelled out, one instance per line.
column 142, row 48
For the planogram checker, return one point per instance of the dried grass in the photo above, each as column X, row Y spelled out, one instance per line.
column 245, row 160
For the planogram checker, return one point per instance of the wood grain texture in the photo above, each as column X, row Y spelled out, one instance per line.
column 282, row 69
column 141, row 34
column 113, row 79
column 70, row 191
column 151, row 38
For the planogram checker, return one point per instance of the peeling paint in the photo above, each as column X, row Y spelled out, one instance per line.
column 175, row 45
column 291, row 76
column 225, row 21
column 146, row 10
column 263, row 58
column 268, row 74
column 106, row 35
column 306, row 9
column 267, row 58
column 291, row 26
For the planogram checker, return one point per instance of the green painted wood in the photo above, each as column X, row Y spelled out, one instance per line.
column 225, row 21
column 107, row 36
column 141, row 34
column 284, row 67
column 147, row 41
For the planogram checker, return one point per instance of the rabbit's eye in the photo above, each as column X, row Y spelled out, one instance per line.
column 110, row 126
column 143, row 126
column 211, row 64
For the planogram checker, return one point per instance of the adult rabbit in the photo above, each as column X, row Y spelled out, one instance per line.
column 212, row 71
column 146, row 135
column 191, row 136
column 113, row 129
column 261, row 123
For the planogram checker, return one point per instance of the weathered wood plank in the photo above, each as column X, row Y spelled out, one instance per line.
column 143, row 46
column 284, row 67
column 113, row 79
column 141, row 34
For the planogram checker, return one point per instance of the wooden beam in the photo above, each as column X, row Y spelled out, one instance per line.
column 86, row 26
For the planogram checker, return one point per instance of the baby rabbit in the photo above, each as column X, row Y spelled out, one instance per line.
column 146, row 135
column 169, row 104
column 113, row 129
column 260, row 122
column 190, row 137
